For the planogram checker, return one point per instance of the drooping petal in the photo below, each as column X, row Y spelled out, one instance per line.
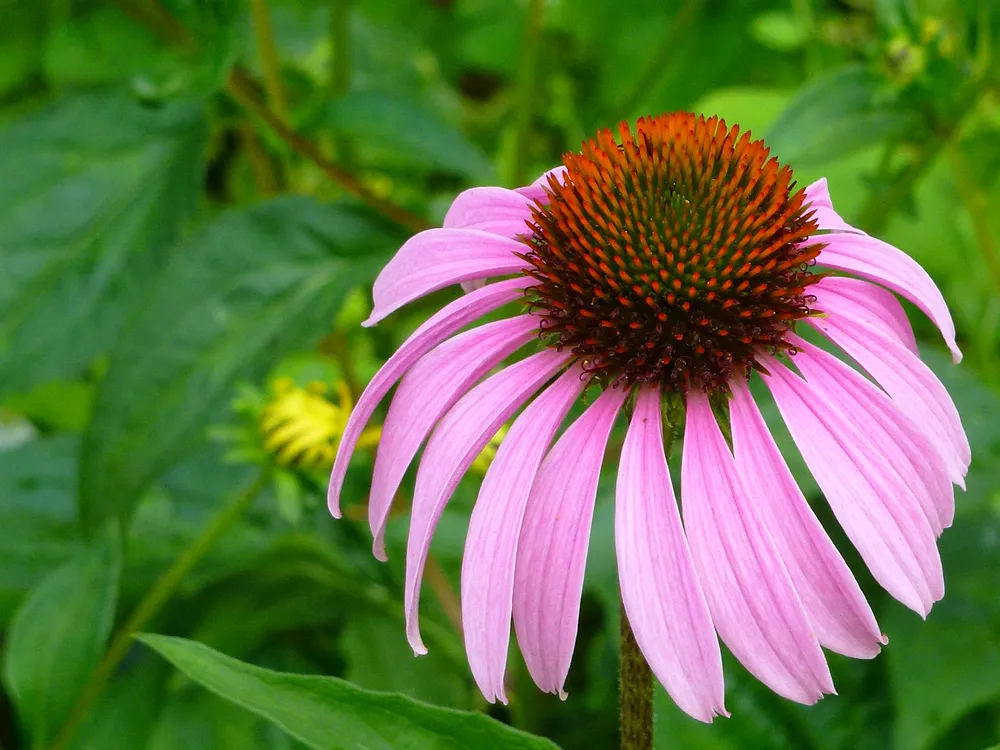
column 877, row 306
column 830, row 595
column 437, row 258
column 425, row 393
column 436, row 329
column 552, row 550
column 660, row 591
column 536, row 190
column 491, row 543
column 457, row 440
column 914, row 388
column 879, row 261
column 820, row 203
column 891, row 434
column 751, row 597
column 490, row 209
column 893, row 537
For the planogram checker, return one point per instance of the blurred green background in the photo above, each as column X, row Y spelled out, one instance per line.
column 195, row 196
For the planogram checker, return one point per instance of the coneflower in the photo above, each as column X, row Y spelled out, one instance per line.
column 661, row 272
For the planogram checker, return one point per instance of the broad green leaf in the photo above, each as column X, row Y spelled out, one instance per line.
column 330, row 714
column 59, row 634
column 247, row 288
column 947, row 666
column 193, row 719
column 837, row 115
column 395, row 132
column 95, row 188
column 103, row 46
column 37, row 487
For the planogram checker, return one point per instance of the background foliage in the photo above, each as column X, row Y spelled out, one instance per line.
column 194, row 198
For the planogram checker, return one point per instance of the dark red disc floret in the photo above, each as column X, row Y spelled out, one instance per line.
column 675, row 254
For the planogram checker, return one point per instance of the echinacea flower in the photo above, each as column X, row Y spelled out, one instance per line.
column 671, row 265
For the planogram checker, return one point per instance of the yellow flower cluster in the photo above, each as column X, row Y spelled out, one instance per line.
column 302, row 426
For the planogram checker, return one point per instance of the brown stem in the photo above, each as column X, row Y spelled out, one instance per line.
column 635, row 693
column 242, row 89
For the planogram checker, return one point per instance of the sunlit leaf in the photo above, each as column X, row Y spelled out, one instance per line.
column 59, row 634
column 330, row 714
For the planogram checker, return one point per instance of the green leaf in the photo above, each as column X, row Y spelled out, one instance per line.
column 254, row 284
column 330, row 714
column 395, row 132
column 37, row 487
column 947, row 666
column 103, row 46
column 95, row 188
column 837, row 115
column 59, row 634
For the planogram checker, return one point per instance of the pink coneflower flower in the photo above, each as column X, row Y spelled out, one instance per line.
column 668, row 268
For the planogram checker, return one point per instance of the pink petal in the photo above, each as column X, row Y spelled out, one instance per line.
column 660, row 591
column 536, row 190
column 892, row 535
column 490, row 209
column 552, row 550
column 491, row 544
column 436, row 329
column 750, row 594
column 458, row 439
column 877, row 306
column 425, row 393
column 830, row 595
column 818, row 198
column 881, row 262
column 914, row 388
column 437, row 258
column 891, row 435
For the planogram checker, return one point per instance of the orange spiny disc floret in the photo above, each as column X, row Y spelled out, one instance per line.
column 675, row 254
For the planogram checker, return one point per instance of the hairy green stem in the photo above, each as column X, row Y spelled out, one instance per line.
column 526, row 93
column 154, row 601
column 635, row 692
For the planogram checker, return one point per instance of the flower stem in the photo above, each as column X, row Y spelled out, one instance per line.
column 635, row 692
column 241, row 88
column 157, row 597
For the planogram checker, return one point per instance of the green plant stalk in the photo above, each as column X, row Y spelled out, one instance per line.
column 274, row 88
column 635, row 692
column 154, row 601
column 685, row 17
column 340, row 67
column 526, row 93
column 977, row 203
